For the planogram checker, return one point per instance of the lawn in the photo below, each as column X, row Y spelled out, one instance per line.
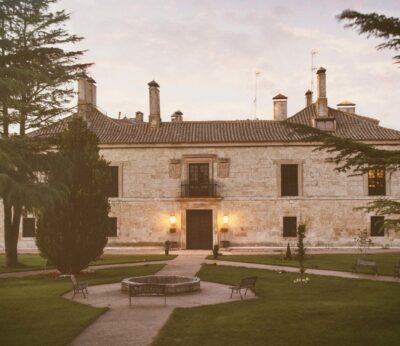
column 341, row 262
column 34, row 313
column 36, row 262
column 326, row 311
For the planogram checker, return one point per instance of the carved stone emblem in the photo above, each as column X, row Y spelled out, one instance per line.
column 175, row 170
column 223, row 168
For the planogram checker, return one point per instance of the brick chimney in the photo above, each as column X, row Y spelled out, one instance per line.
column 177, row 117
column 322, row 101
column 139, row 117
column 308, row 98
column 154, row 99
column 347, row 106
column 280, row 107
column 86, row 95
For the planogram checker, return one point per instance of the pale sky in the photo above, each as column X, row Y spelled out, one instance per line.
column 204, row 54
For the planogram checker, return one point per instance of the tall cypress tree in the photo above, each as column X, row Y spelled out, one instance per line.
column 74, row 233
column 36, row 72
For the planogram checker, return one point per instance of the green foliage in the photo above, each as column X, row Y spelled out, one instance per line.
column 356, row 158
column 35, row 75
column 338, row 262
column 363, row 241
column 288, row 255
column 301, row 249
column 23, row 161
column 388, row 208
column 376, row 25
column 329, row 312
column 34, row 313
column 350, row 156
column 73, row 234
column 38, row 69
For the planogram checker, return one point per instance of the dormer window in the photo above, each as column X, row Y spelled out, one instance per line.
column 325, row 124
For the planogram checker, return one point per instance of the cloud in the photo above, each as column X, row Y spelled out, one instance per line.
column 204, row 55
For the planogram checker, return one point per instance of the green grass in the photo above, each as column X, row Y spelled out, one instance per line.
column 340, row 262
column 36, row 262
column 32, row 311
column 326, row 311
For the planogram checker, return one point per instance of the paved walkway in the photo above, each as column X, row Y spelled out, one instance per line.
column 345, row 275
column 140, row 324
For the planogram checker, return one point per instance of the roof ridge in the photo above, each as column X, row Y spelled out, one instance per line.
column 357, row 116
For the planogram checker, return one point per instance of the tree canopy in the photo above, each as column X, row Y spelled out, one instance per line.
column 357, row 158
column 37, row 66
column 375, row 25
column 74, row 233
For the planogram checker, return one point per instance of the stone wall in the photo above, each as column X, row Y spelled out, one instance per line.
column 248, row 183
column 249, row 190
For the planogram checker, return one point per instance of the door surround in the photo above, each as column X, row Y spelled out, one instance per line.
column 202, row 204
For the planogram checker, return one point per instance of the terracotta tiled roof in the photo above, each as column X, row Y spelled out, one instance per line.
column 113, row 131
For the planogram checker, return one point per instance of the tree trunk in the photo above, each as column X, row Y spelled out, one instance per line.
column 12, row 217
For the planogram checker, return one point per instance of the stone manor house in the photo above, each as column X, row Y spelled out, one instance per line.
column 238, row 182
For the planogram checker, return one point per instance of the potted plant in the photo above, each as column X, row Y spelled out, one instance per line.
column 167, row 245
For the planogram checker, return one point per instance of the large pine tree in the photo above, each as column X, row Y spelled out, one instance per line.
column 74, row 233
column 36, row 71
column 20, row 184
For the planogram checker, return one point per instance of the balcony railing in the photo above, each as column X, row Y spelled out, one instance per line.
column 199, row 190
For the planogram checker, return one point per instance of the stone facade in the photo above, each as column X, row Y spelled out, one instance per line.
column 248, row 192
column 243, row 159
column 249, row 195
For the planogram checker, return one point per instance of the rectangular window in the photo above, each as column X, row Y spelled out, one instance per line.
column 376, row 182
column 289, row 226
column 377, row 229
column 28, row 227
column 199, row 180
column 112, row 227
column 113, row 187
column 289, row 180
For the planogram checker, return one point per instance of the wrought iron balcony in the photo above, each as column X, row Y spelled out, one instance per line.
column 199, row 190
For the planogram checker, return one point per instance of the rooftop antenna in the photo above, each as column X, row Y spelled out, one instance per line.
column 257, row 73
column 314, row 52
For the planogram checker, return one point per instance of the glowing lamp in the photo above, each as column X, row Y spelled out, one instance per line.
column 172, row 223
column 225, row 221
column 172, row 220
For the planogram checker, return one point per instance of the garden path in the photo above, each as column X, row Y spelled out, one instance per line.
column 345, row 275
column 140, row 324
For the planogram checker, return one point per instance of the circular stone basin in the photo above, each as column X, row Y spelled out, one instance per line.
column 174, row 284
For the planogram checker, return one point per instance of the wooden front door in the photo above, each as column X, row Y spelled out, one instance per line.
column 199, row 229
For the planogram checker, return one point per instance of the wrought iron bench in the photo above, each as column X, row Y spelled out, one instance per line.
column 247, row 284
column 79, row 286
column 397, row 269
column 360, row 263
column 147, row 290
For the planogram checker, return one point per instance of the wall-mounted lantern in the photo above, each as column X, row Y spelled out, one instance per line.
column 172, row 224
column 225, row 222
